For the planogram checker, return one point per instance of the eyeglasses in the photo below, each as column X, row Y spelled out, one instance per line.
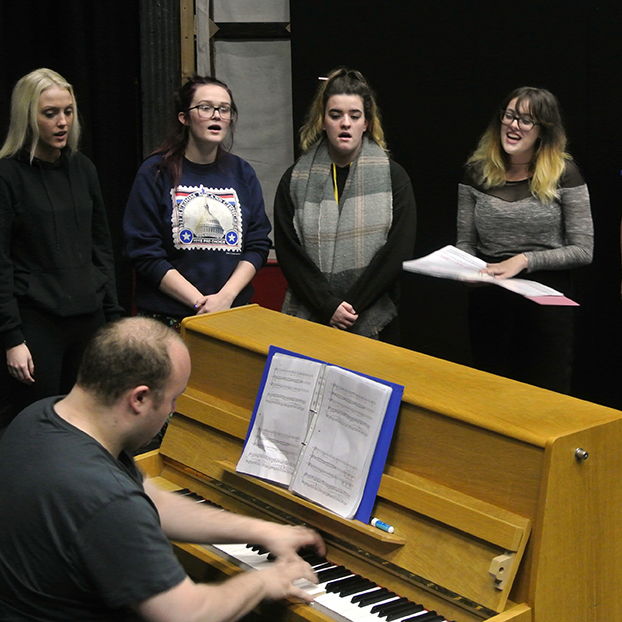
column 524, row 123
column 206, row 111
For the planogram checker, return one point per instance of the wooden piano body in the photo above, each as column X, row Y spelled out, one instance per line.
column 496, row 516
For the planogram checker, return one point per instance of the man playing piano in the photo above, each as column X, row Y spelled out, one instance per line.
column 82, row 537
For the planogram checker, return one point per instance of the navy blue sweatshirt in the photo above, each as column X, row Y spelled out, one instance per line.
column 203, row 228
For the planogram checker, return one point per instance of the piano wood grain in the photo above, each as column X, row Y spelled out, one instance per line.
column 479, row 466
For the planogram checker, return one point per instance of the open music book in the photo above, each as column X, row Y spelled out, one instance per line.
column 322, row 431
column 450, row 262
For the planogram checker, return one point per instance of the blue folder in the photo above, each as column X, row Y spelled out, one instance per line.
column 383, row 444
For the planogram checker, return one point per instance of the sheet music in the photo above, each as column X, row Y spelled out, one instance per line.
column 334, row 464
column 450, row 262
column 282, row 420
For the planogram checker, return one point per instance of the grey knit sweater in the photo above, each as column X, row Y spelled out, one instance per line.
column 500, row 222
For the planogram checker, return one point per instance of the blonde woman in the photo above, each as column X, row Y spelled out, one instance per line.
column 345, row 215
column 57, row 283
column 524, row 208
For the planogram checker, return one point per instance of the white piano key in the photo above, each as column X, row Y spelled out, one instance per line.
column 240, row 555
column 248, row 559
column 348, row 612
column 230, row 550
column 312, row 589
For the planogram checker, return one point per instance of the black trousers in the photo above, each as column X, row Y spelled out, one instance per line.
column 517, row 338
column 56, row 345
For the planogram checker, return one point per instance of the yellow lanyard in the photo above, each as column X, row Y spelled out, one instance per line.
column 335, row 182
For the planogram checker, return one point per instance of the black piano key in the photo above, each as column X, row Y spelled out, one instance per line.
column 359, row 597
column 356, row 588
column 404, row 610
column 330, row 574
column 334, row 567
column 381, row 608
column 186, row 492
column 323, row 565
column 430, row 616
column 339, row 584
column 258, row 548
column 376, row 597
column 311, row 557
column 194, row 496
column 351, row 585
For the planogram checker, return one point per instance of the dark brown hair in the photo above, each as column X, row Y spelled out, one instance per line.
column 174, row 146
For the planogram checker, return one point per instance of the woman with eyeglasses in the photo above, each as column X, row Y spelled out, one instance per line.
column 524, row 208
column 345, row 215
column 195, row 226
column 57, row 279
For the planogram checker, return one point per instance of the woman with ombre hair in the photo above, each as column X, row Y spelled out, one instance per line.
column 345, row 215
column 57, row 281
column 524, row 208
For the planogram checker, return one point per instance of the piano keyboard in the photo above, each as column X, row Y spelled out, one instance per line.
column 339, row 594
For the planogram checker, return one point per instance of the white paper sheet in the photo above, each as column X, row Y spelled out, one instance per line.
column 450, row 262
column 282, row 419
column 334, row 464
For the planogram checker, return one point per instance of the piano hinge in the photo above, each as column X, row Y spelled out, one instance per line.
column 500, row 569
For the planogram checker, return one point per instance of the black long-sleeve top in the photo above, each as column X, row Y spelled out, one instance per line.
column 55, row 247
column 381, row 275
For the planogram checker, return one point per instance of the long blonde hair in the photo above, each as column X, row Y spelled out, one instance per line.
column 341, row 81
column 24, row 128
column 490, row 163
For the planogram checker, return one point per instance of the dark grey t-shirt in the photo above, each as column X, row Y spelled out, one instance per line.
column 79, row 537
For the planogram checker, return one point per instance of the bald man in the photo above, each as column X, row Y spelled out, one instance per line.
column 83, row 537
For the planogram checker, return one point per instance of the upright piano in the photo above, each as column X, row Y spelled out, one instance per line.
column 505, row 498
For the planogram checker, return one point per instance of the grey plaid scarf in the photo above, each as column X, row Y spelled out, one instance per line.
column 343, row 239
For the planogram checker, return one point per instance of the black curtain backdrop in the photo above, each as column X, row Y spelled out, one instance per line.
column 440, row 70
column 96, row 47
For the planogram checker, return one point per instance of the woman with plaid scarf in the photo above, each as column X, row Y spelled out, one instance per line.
column 345, row 215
